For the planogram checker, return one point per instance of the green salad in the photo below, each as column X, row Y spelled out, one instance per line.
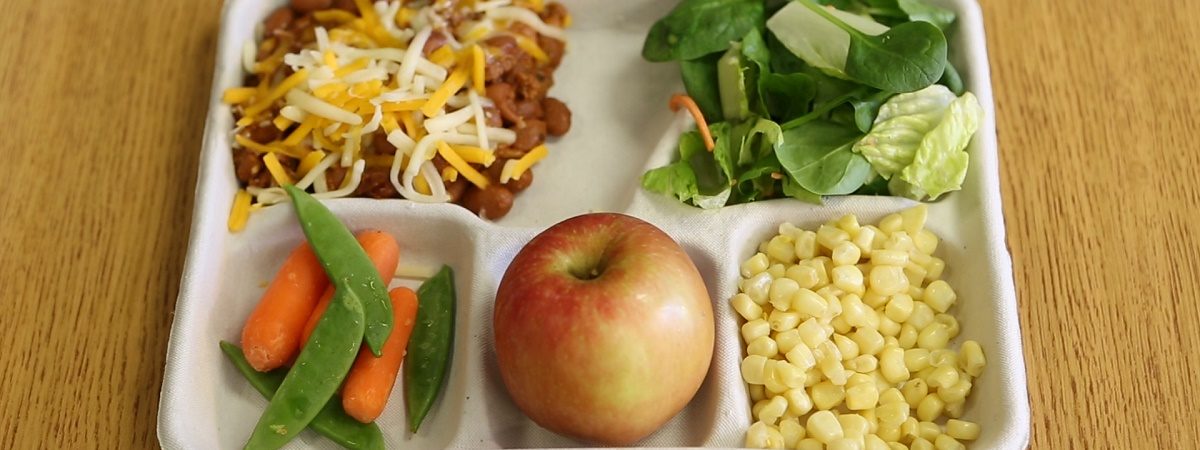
column 810, row 98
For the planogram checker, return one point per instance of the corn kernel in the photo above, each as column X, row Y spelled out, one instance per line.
column 829, row 237
column 754, row 369
column 781, row 291
column 873, row 442
column 804, row 275
column 915, row 274
column 848, row 278
column 833, row 305
column 921, row 316
column 889, row 433
column 810, row 444
column 934, row 337
column 811, row 333
column 846, row 253
column 783, row 320
column 928, row 430
column 755, row 329
column 893, row 414
column 854, row 426
column 844, row 444
column 891, row 223
column 874, row 300
column 805, row 246
column 962, row 430
column 950, row 322
column 889, row 258
column 921, row 444
column 862, row 396
column 956, row 393
column 926, row 241
column 896, row 446
column 801, row 356
column 757, row 392
column 917, row 359
column 809, row 303
column 840, row 325
column 899, row 307
column 939, row 296
column 762, row 435
column 763, row 346
column 870, row 342
column 757, row 286
column 888, row 327
column 899, row 240
column 833, row 369
column 788, row 374
column 945, row 442
column 972, row 359
column 863, row 364
column 864, row 239
column 786, row 340
column 846, row 347
column 891, row 364
column 792, row 432
column 888, row 280
column 746, row 307
column 824, row 427
column 914, row 218
column 935, row 267
column 910, row 429
column 890, row 341
column 826, row 395
column 943, row 377
column 777, row 270
column 954, row 410
column 930, row 408
column 754, row 265
column 782, row 249
column 943, row 357
column 798, row 400
column 774, row 408
column 915, row 291
column 771, row 380
column 908, row 336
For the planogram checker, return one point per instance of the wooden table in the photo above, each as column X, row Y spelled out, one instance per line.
column 1099, row 121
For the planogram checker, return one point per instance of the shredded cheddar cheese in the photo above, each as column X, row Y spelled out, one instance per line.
column 311, row 160
column 277, row 171
column 477, row 67
column 449, row 174
column 237, row 95
column 240, row 211
column 528, row 161
column 439, row 97
column 461, row 166
column 531, row 47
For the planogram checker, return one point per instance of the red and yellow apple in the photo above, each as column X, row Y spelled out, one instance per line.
column 603, row 328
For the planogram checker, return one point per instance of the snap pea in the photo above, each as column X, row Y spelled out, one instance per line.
column 346, row 264
column 331, row 422
column 430, row 345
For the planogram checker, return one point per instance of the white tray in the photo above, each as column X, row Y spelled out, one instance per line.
column 621, row 128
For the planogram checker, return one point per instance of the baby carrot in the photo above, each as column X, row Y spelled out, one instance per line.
column 383, row 251
column 370, row 382
column 271, row 336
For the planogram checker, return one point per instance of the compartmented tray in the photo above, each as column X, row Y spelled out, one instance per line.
column 621, row 128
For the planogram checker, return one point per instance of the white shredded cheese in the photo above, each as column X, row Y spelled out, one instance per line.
column 527, row 17
column 448, row 121
column 317, row 172
column 347, row 188
column 313, row 105
column 480, row 119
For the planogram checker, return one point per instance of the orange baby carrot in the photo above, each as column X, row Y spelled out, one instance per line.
column 681, row 100
column 383, row 251
column 370, row 382
column 271, row 336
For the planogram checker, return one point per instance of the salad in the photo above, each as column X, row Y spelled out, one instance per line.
column 812, row 98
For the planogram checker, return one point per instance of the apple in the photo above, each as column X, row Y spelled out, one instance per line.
column 603, row 328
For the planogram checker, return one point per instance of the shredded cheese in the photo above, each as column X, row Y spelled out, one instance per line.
column 439, row 97
column 237, row 95
column 333, row 16
column 463, row 168
column 528, row 161
column 449, row 174
column 240, row 211
column 531, row 47
column 443, row 56
column 318, row 107
column 278, row 92
column 475, row 155
column 298, row 134
column 310, row 160
column 282, row 123
column 276, row 169
column 477, row 67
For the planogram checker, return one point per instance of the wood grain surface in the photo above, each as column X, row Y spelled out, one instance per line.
column 103, row 107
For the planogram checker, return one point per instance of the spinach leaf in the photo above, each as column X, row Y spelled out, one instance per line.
column 952, row 80
column 725, row 149
column 866, row 108
column 731, row 82
column 675, row 179
column 793, row 190
column 906, row 58
column 758, row 138
column 787, row 96
column 923, row 11
column 700, row 81
column 698, row 27
column 818, row 155
column 756, row 183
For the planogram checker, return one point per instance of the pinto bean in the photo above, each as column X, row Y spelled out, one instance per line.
column 530, row 134
column 246, row 164
column 491, row 117
column 346, row 5
column 436, row 40
column 491, row 203
column 278, row 21
column 381, row 144
column 555, row 14
column 557, row 115
column 554, row 49
column 376, row 182
column 307, row 6
column 456, row 188
column 504, row 96
column 529, row 110
column 261, row 132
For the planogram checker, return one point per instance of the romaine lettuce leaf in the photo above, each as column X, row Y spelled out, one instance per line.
column 918, row 139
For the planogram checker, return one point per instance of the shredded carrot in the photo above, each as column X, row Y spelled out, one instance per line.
column 682, row 100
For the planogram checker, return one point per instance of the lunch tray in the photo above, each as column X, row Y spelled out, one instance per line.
column 621, row 127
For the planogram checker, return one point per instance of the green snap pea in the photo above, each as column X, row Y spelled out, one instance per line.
column 331, row 422
column 430, row 345
column 346, row 264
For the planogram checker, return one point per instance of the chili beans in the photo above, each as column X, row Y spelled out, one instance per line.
column 557, row 115
column 278, row 21
column 307, row 6
column 492, row 202
column 530, row 134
